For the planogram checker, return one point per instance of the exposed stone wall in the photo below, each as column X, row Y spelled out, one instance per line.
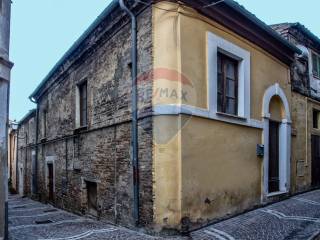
column 26, row 145
column 305, row 99
column 300, row 178
column 99, row 153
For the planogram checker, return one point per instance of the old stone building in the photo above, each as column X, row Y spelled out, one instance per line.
column 82, row 160
column 25, row 154
column 214, row 117
column 305, row 75
column 12, row 156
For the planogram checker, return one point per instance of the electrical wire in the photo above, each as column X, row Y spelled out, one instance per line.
column 213, row 4
column 181, row 4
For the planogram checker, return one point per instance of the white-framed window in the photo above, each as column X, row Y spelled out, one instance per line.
column 316, row 65
column 229, row 78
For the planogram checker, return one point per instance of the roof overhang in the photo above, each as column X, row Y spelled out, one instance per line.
column 29, row 115
column 228, row 13
column 239, row 20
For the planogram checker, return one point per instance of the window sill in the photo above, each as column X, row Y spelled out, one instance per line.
column 80, row 129
column 231, row 116
column 277, row 193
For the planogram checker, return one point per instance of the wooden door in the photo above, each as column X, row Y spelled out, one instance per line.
column 92, row 197
column 315, row 158
column 50, row 181
column 274, row 180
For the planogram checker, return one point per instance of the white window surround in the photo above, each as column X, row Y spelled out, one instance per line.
column 284, row 142
column 217, row 44
column 214, row 45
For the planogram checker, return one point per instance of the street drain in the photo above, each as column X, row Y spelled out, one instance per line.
column 50, row 210
column 43, row 222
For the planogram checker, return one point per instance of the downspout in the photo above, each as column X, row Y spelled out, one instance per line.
column 134, row 131
column 17, row 167
column 35, row 180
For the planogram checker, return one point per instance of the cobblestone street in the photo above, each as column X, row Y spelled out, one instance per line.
column 295, row 218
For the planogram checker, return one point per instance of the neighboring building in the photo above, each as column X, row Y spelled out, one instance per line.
column 5, row 68
column 26, row 154
column 12, row 156
column 214, row 85
column 305, row 76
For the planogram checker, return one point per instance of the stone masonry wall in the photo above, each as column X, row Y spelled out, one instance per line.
column 100, row 153
column 26, row 141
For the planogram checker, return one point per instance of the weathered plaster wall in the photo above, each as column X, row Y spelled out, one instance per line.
column 212, row 167
column 300, row 143
column 216, row 161
column 12, row 158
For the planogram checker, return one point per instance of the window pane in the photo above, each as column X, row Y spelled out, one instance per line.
column 231, row 88
column 227, row 84
column 220, row 85
column 219, row 63
column 230, row 70
column 83, row 104
column 315, row 65
column 219, row 103
column 231, row 106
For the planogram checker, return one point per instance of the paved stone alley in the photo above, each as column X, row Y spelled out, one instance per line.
column 295, row 218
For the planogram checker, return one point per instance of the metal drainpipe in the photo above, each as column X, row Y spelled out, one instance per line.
column 35, row 180
column 17, row 167
column 134, row 131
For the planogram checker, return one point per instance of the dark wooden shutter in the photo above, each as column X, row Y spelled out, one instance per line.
column 227, row 90
column 83, row 104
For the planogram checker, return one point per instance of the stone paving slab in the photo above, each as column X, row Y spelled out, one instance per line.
column 296, row 218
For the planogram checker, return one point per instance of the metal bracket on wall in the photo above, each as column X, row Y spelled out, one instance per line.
column 260, row 150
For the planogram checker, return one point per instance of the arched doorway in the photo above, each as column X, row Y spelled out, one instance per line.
column 277, row 142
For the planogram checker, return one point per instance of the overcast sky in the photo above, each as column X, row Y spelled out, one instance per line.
column 43, row 30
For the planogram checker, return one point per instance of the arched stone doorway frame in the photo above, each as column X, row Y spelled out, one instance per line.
column 284, row 142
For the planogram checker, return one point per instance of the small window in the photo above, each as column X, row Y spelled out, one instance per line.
column 83, row 104
column 227, row 85
column 316, row 118
column 316, row 65
column 44, row 123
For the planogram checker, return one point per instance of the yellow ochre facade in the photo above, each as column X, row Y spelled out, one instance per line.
column 206, row 165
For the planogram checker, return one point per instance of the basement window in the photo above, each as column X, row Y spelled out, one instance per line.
column 316, row 119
